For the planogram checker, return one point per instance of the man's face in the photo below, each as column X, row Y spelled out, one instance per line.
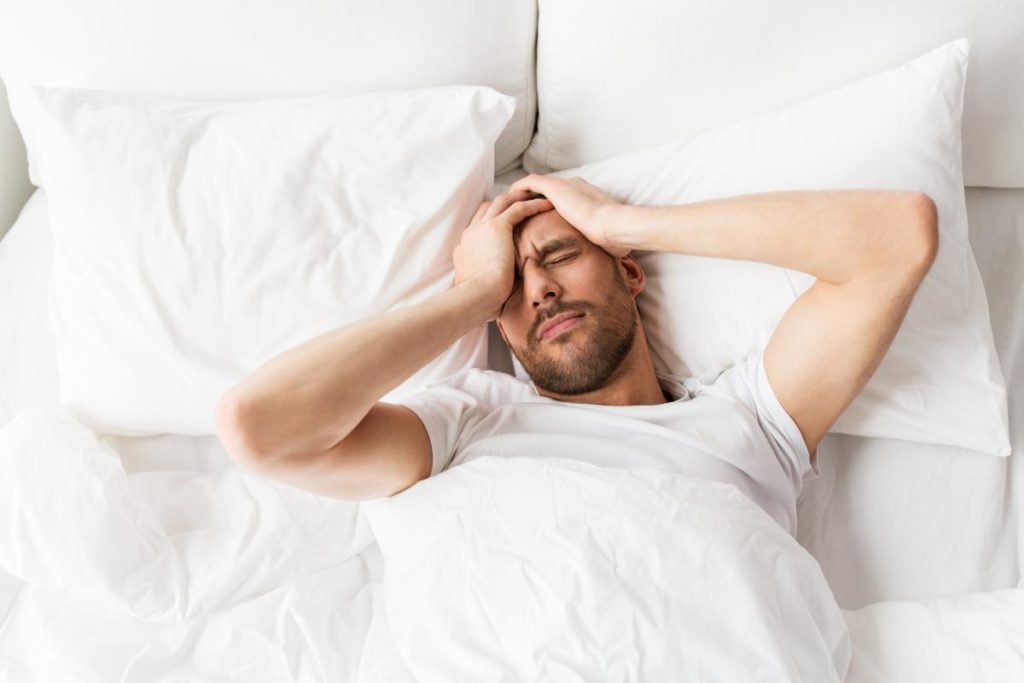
column 559, row 273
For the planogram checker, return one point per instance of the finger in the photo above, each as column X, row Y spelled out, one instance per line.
column 480, row 211
column 541, row 184
column 503, row 201
column 520, row 211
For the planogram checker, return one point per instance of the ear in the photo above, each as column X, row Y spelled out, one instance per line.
column 632, row 274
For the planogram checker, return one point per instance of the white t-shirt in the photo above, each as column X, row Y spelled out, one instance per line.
column 726, row 425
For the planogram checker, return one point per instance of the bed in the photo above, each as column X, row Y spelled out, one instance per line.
column 921, row 544
column 916, row 559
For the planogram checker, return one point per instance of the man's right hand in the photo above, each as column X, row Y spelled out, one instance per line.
column 312, row 416
column 486, row 253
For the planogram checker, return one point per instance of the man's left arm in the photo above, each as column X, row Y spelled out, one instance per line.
column 868, row 249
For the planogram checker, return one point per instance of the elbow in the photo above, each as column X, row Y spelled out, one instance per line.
column 232, row 418
column 924, row 240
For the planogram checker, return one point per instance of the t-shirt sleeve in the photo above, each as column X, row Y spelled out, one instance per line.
column 746, row 380
column 446, row 408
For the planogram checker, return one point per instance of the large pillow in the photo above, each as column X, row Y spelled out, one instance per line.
column 547, row 569
column 614, row 77
column 232, row 50
column 194, row 241
column 940, row 381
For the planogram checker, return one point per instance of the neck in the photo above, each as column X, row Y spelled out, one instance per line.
column 634, row 382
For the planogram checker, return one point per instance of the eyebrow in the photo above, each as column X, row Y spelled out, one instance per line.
column 551, row 247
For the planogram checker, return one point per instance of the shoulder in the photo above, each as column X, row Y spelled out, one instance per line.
column 746, row 382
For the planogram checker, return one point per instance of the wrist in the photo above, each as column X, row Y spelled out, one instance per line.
column 479, row 301
column 625, row 229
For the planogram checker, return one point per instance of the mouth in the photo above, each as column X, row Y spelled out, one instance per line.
column 560, row 323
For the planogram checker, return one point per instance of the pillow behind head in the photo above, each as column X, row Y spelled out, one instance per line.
column 194, row 241
column 940, row 381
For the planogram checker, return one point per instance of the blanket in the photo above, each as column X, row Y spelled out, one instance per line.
column 499, row 569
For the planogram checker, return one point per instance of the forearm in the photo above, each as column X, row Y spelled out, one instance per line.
column 312, row 396
column 830, row 234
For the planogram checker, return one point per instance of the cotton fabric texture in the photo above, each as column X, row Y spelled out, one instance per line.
column 194, row 241
column 723, row 426
column 613, row 77
column 528, row 569
column 248, row 50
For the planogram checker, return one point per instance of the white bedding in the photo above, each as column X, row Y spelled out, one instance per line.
column 886, row 521
column 895, row 520
column 186, row 574
column 553, row 569
column 971, row 637
column 222, row 575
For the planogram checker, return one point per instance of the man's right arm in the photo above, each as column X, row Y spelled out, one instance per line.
column 311, row 416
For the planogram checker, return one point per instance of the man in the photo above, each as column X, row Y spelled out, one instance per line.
column 550, row 261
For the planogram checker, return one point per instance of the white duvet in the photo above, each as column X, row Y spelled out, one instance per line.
column 500, row 569
column 171, row 576
column 524, row 569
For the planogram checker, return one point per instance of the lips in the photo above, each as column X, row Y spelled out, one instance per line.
column 557, row 321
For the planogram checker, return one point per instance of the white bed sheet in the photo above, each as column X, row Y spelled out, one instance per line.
column 887, row 520
column 894, row 520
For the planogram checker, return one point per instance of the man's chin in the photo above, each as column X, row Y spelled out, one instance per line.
column 560, row 379
column 565, row 355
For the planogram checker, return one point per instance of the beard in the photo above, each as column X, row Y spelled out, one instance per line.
column 590, row 366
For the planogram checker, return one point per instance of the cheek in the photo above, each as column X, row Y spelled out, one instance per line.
column 591, row 282
column 515, row 325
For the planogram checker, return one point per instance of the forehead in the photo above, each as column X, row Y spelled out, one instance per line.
column 540, row 228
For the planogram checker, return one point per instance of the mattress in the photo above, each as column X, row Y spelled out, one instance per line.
column 903, row 531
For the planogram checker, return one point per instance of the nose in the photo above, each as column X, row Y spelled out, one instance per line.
column 540, row 286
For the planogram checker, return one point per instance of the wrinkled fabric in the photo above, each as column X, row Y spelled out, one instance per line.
column 522, row 569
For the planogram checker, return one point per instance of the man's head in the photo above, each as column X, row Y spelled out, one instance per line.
column 560, row 274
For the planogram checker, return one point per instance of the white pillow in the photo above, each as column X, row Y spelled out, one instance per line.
column 940, row 381
column 547, row 569
column 614, row 77
column 27, row 366
column 232, row 50
column 194, row 241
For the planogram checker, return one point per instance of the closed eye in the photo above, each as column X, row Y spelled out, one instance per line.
column 565, row 258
